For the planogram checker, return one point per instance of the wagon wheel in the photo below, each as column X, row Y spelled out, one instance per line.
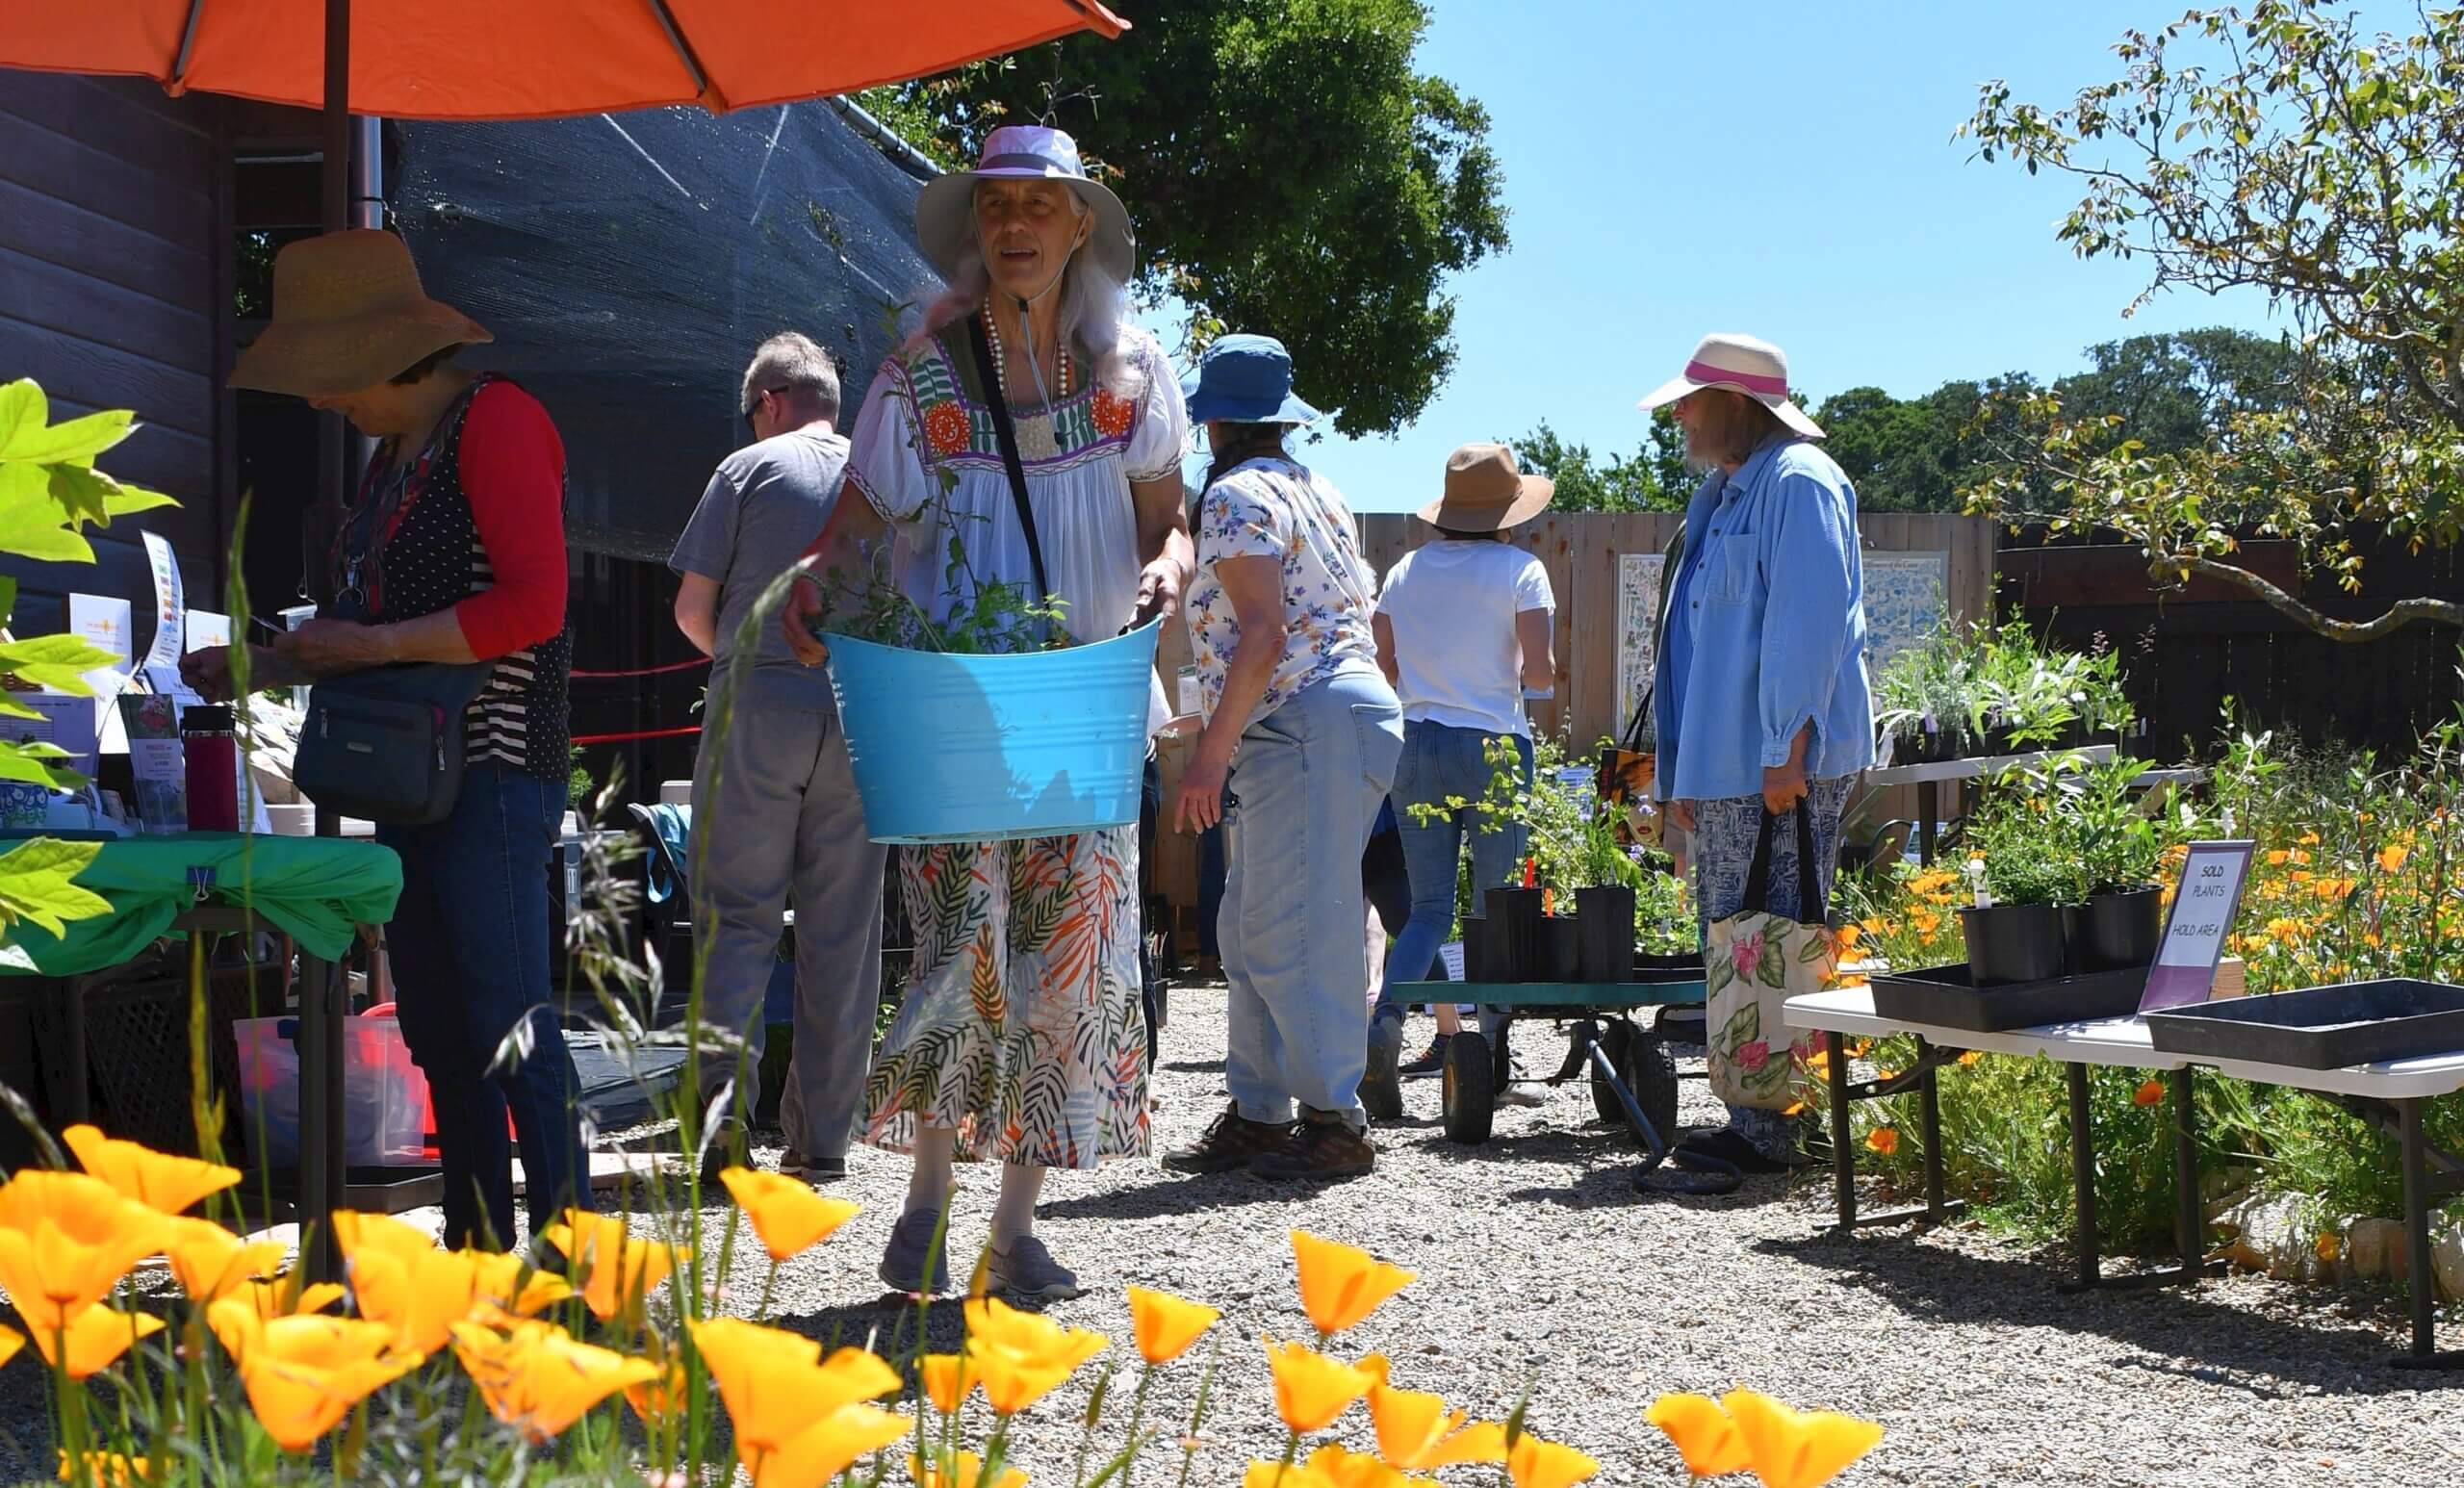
column 1643, row 1062
column 1471, row 1091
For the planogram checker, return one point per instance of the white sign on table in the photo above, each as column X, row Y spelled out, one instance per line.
column 2205, row 903
column 171, row 607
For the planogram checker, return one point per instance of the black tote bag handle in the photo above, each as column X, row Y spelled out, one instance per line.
column 1007, row 432
column 1811, row 909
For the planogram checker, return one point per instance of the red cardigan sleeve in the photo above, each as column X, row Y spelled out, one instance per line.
column 513, row 470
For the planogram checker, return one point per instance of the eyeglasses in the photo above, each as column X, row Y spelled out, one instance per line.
column 753, row 407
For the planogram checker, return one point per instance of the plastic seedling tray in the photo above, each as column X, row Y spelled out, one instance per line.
column 1944, row 997
column 2320, row 1027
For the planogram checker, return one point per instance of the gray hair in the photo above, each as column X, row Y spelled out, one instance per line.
column 1095, row 306
column 787, row 360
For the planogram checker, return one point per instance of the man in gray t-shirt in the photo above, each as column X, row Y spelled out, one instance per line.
column 775, row 808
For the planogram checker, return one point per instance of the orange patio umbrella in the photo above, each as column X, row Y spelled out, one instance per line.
column 533, row 59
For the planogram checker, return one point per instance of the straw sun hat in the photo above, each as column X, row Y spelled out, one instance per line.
column 945, row 209
column 347, row 314
column 1487, row 492
column 1741, row 364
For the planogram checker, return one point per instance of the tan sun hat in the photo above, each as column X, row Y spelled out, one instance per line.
column 1741, row 364
column 1486, row 492
column 348, row 314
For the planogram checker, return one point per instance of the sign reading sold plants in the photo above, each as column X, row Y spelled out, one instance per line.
column 2205, row 901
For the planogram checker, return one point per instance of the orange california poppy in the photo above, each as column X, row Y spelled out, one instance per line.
column 1790, row 1448
column 160, row 1182
column 303, row 1375
column 1341, row 1284
column 1702, row 1433
column 1310, row 1389
column 66, row 1240
column 787, row 1214
column 96, row 1337
column 1537, row 1464
column 1164, row 1325
column 1416, row 1431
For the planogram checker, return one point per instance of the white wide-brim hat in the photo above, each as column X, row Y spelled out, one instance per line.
column 1741, row 364
column 945, row 209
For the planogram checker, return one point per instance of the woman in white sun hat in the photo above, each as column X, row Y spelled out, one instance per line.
column 1022, row 1040
column 1760, row 701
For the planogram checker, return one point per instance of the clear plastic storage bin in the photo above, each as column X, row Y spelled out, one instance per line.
column 384, row 1094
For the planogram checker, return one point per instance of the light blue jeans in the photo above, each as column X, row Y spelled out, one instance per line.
column 1439, row 762
column 1305, row 791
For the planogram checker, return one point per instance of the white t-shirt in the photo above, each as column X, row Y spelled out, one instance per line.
column 1453, row 606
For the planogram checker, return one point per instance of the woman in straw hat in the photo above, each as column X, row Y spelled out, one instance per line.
column 1464, row 627
column 1306, row 729
column 1022, row 1038
column 1760, row 701
column 453, row 552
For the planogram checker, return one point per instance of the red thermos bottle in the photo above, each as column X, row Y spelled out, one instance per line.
column 209, row 742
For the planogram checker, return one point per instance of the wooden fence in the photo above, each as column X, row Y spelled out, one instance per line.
column 2186, row 651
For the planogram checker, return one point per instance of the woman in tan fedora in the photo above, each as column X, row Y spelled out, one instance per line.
column 453, row 552
column 1464, row 630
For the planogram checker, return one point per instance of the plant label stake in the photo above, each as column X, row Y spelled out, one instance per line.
column 2205, row 901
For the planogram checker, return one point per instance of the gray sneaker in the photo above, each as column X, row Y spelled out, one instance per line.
column 1029, row 1269
column 907, row 1264
column 813, row 1170
column 1381, row 1084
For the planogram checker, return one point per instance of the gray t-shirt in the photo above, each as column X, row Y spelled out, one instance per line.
column 764, row 506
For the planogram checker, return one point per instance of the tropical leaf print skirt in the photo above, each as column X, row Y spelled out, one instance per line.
column 1022, row 1027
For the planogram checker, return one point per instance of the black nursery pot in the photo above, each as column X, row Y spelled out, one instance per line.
column 2014, row 942
column 1561, row 936
column 1606, row 918
column 1515, row 929
column 1477, row 953
column 2119, row 931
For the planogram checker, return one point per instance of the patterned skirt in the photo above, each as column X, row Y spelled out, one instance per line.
column 1023, row 1028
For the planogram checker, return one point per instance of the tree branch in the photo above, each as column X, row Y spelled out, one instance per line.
column 2444, row 613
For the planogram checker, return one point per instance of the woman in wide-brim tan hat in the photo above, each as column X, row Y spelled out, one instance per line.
column 1465, row 628
column 453, row 552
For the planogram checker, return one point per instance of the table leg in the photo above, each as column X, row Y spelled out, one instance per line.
column 76, row 1103
column 320, row 1108
column 2083, row 1180
column 1929, row 808
column 1843, row 1151
column 2423, row 1277
column 1930, row 1103
column 2189, row 1226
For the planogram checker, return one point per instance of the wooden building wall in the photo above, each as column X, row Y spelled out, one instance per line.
column 114, row 293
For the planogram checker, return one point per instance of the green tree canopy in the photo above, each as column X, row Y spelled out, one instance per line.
column 2275, row 146
column 1288, row 170
column 1653, row 478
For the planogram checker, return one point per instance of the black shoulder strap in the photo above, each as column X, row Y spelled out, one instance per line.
column 1007, row 432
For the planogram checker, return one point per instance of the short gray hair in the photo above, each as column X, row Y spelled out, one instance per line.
column 790, row 359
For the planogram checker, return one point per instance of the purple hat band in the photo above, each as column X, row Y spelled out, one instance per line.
column 1752, row 382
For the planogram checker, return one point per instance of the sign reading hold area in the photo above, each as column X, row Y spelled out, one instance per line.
column 2205, row 903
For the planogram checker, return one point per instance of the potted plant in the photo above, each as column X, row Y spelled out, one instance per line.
column 2120, row 848
column 2032, row 875
column 1925, row 694
column 1604, row 903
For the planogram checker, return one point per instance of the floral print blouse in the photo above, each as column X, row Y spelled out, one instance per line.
column 1276, row 508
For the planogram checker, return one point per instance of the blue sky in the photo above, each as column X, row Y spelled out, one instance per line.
column 1785, row 169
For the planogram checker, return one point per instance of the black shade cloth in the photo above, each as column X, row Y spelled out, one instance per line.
column 628, row 264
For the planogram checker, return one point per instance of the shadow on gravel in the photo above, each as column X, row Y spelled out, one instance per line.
column 1175, row 1195
column 2341, row 1344
column 1194, row 1066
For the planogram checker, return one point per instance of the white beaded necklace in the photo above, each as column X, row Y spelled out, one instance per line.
column 1001, row 364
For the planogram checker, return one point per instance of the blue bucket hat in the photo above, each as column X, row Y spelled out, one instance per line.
column 1245, row 379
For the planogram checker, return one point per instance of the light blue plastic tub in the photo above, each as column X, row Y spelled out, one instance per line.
column 975, row 749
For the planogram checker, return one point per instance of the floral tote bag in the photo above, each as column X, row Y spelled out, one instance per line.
column 1753, row 962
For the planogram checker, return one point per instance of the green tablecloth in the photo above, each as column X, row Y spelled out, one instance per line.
column 316, row 888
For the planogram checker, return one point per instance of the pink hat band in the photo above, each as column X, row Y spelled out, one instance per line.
column 1752, row 382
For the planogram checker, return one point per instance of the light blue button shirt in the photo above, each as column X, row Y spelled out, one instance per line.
column 1766, row 630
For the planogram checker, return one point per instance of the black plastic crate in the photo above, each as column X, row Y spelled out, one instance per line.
column 1655, row 968
column 1944, row 997
column 2320, row 1027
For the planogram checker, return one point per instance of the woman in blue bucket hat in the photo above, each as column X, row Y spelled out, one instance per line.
column 1302, row 724
column 1021, row 1038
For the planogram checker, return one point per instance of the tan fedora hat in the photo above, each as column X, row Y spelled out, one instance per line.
column 1741, row 364
column 1485, row 492
column 349, row 313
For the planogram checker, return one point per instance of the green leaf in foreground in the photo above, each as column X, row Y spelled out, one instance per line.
column 36, row 884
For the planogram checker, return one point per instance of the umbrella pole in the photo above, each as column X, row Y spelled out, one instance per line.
column 323, row 988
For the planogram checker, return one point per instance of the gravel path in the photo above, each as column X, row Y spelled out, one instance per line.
column 1538, row 1263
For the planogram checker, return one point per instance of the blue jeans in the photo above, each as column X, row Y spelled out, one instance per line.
column 469, row 945
column 1441, row 761
column 1306, row 786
